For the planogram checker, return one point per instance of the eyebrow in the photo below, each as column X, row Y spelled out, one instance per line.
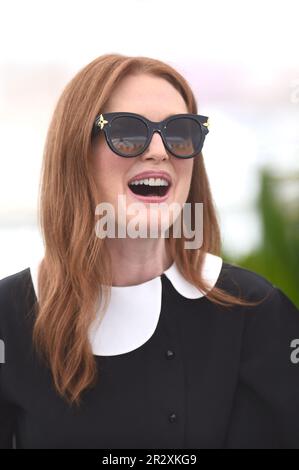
column 166, row 117
column 172, row 114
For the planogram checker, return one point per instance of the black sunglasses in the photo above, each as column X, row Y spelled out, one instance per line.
column 129, row 134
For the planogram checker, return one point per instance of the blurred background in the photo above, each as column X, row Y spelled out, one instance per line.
column 242, row 61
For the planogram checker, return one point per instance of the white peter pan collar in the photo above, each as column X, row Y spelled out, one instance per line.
column 133, row 312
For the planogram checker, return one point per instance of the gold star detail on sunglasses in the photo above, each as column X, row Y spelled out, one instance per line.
column 207, row 123
column 101, row 121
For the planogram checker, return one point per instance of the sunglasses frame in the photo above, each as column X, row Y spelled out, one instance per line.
column 104, row 122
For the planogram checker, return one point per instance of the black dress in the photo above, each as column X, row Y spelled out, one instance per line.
column 198, row 376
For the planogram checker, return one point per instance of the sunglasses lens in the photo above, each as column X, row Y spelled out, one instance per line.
column 183, row 136
column 128, row 135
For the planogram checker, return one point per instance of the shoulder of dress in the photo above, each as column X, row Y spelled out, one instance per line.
column 9, row 283
column 274, row 309
column 244, row 282
column 15, row 291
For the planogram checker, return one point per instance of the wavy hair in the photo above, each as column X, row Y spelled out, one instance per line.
column 74, row 276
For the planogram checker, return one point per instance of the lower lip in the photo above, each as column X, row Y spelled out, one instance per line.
column 150, row 198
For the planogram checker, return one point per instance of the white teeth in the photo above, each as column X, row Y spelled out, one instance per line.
column 151, row 182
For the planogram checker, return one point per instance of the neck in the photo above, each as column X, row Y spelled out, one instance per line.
column 135, row 261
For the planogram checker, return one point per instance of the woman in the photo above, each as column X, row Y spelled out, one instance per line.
column 139, row 341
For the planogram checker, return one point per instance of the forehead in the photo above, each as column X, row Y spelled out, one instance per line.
column 152, row 97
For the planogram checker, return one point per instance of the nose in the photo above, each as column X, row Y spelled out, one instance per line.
column 156, row 148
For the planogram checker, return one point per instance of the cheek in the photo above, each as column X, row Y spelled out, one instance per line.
column 184, row 175
column 110, row 172
column 103, row 162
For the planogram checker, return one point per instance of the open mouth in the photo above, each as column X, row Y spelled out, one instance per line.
column 148, row 188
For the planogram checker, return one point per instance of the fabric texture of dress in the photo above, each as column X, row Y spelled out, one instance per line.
column 176, row 371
